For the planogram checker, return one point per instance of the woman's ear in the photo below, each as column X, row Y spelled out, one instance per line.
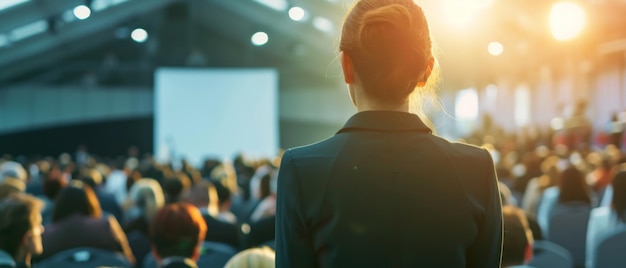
column 346, row 66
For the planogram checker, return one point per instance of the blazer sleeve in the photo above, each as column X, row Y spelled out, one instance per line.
column 486, row 251
column 293, row 242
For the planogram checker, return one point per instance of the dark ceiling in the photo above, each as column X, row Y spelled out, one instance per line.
column 216, row 33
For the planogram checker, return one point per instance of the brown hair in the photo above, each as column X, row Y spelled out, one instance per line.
column 76, row 199
column 17, row 216
column 390, row 47
column 572, row 186
column 517, row 236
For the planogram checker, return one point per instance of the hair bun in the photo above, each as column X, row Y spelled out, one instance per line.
column 383, row 27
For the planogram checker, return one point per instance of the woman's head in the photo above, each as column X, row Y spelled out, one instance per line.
column 572, row 186
column 76, row 199
column 146, row 198
column 619, row 193
column 387, row 49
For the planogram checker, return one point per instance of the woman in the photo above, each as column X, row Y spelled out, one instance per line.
column 145, row 199
column 604, row 220
column 384, row 191
column 77, row 222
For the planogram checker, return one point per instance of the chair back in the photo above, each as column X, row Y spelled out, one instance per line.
column 549, row 255
column 84, row 258
column 610, row 251
column 568, row 229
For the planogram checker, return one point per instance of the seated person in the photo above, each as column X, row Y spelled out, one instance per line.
column 20, row 229
column 253, row 258
column 204, row 197
column 77, row 222
column 177, row 233
column 517, row 248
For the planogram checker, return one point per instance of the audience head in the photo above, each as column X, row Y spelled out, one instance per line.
column 253, row 258
column 20, row 226
column 223, row 196
column 13, row 170
column 11, row 186
column 53, row 185
column 178, row 230
column 518, row 238
column 76, row 199
column 573, row 187
column 91, row 177
column 204, row 196
column 619, row 193
column 175, row 187
column 386, row 49
column 146, row 197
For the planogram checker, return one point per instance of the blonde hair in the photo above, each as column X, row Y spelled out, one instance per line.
column 253, row 258
column 147, row 195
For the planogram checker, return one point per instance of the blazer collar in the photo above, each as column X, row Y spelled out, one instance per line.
column 386, row 121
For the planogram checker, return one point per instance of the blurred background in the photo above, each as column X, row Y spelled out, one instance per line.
column 105, row 75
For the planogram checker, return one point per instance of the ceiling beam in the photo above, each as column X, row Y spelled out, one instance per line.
column 32, row 11
column 75, row 32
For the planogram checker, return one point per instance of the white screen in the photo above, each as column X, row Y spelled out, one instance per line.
column 201, row 113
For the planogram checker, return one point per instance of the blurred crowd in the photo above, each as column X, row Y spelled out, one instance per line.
column 113, row 204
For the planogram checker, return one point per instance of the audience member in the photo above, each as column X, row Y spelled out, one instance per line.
column 604, row 220
column 177, row 233
column 52, row 186
column 518, row 238
column 204, row 197
column 173, row 188
column 144, row 200
column 20, row 229
column 253, row 258
column 116, row 181
column 107, row 201
column 77, row 222
column 11, row 186
column 224, row 203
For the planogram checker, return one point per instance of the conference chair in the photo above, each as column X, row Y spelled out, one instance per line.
column 84, row 258
column 549, row 255
column 610, row 252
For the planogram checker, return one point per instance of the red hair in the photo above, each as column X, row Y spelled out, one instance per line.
column 177, row 230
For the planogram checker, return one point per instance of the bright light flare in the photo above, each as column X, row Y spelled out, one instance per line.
column 297, row 13
column 259, row 39
column 82, row 12
column 567, row 20
column 495, row 48
column 139, row 35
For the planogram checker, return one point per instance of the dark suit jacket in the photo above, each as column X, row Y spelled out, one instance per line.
column 223, row 232
column 385, row 192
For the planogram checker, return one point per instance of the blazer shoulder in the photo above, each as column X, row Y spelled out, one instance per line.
column 316, row 149
column 463, row 151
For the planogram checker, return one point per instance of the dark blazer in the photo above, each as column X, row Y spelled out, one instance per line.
column 222, row 232
column 385, row 192
column 81, row 231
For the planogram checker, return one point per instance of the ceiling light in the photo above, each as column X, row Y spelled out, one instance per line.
column 567, row 20
column 139, row 35
column 259, row 39
column 495, row 48
column 82, row 12
column 297, row 13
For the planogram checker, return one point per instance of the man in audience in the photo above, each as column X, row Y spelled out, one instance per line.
column 518, row 238
column 20, row 229
column 177, row 233
column 203, row 195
